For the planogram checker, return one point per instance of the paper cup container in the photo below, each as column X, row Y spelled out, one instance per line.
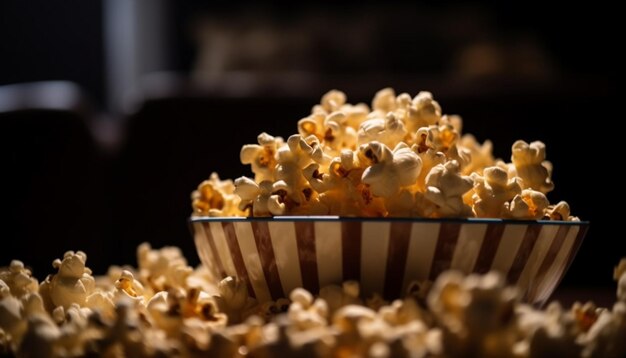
column 275, row 255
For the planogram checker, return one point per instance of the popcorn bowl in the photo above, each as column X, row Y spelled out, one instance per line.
column 275, row 255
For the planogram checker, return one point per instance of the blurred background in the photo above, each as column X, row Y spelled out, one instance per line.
column 112, row 112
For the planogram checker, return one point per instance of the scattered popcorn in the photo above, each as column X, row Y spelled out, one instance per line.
column 401, row 158
column 158, row 310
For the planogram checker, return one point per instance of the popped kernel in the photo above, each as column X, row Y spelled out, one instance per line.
column 262, row 157
column 530, row 164
column 529, row 205
column 215, row 197
column 445, row 187
column 492, row 191
column 389, row 130
column 73, row 282
column 389, row 170
column 18, row 279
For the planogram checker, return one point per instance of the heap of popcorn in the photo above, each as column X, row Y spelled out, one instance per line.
column 402, row 158
column 166, row 308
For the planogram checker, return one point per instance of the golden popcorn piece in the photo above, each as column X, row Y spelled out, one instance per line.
column 404, row 204
column 12, row 324
column 481, row 155
column 306, row 312
column 261, row 157
column 531, row 166
column 424, row 111
column 606, row 337
column 585, row 315
column 215, row 197
column 338, row 133
column 161, row 269
column 333, row 100
column 445, row 187
column 560, row 211
column 18, row 279
column 127, row 284
column 233, row 298
column 389, row 171
column 73, row 282
column 529, row 205
column 492, row 191
column 388, row 130
column 313, row 148
column 384, row 101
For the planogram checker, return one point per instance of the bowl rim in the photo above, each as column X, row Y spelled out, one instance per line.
column 332, row 218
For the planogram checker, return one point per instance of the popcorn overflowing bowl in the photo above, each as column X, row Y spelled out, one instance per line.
column 385, row 194
column 275, row 255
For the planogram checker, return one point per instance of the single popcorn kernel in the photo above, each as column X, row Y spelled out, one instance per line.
column 404, row 157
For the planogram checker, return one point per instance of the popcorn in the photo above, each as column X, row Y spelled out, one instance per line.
column 332, row 130
column 559, row 211
column 128, row 285
column 557, row 335
column 384, row 101
column 18, row 279
column 215, row 197
column 333, row 100
column 424, row 111
column 480, row 154
column 493, row 191
column 349, row 161
column 390, row 171
column 162, row 269
column 606, row 337
column 445, row 187
column 389, row 131
column 305, row 312
column 529, row 205
column 531, row 166
column 475, row 315
column 233, row 298
column 12, row 325
column 262, row 157
column 72, row 283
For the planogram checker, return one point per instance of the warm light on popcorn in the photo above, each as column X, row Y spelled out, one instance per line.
column 400, row 158
column 166, row 308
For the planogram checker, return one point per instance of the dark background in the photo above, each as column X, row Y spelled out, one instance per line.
column 106, row 170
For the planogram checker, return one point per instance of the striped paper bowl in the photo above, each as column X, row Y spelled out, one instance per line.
column 275, row 255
